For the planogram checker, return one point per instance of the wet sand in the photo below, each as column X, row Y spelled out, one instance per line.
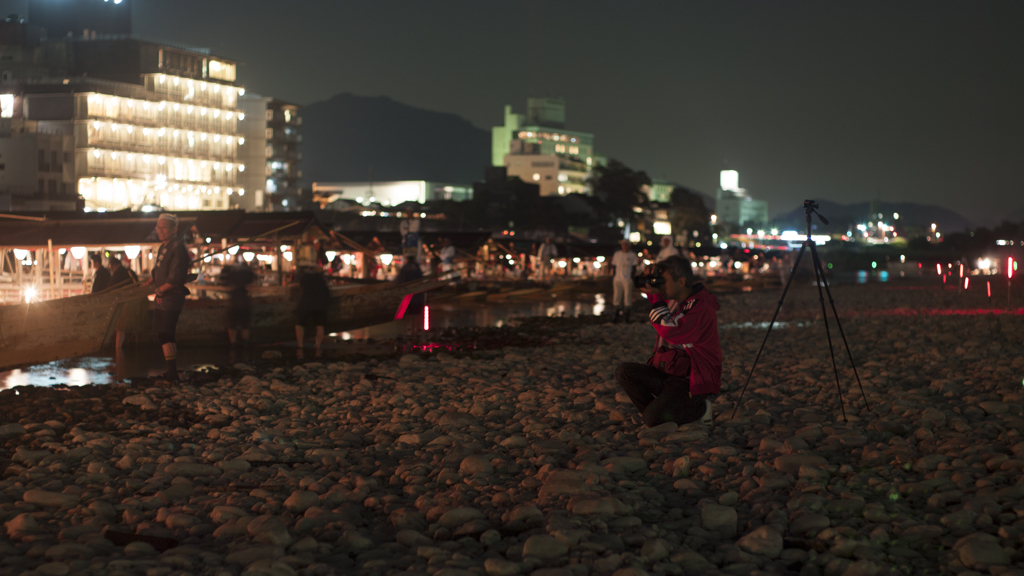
column 522, row 457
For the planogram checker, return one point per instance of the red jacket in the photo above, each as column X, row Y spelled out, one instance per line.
column 692, row 325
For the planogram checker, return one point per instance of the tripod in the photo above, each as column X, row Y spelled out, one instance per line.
column 810, row 207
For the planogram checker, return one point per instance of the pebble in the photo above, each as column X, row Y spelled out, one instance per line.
column 762, row 541
column 532, row 461
column 544, row 547
column 721, row 519
column 52, row 499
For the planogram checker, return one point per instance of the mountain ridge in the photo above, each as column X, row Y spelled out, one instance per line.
column 350, row 138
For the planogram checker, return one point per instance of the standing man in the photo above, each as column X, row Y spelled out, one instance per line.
column 545, row 254
column 685, row 371
column 170, row 272
column 623, row 263
column 101, row 280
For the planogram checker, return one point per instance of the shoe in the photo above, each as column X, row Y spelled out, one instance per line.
column 708, row 418
column 169, row 377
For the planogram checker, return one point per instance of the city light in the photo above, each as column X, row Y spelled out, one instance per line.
column 30, row 294
column 248, row 256
column 77, row 252
column 386, row 259
column 132, row 252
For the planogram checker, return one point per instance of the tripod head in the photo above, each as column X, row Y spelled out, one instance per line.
column 811, row 207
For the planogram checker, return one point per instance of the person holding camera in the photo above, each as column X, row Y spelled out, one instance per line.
column 685, row 371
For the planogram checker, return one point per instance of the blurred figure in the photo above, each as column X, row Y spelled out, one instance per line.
column 447, row 255
column 545, row 254
column 314, row 299
column 101, row 280
column 237, row 277
column 134, row 313
column 667, row 250
column 624, row 263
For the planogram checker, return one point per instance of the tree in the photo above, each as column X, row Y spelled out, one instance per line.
column 620, row 188
column 689, row 213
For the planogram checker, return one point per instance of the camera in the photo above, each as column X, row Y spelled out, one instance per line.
column 652, row 280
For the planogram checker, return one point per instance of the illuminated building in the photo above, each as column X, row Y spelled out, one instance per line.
column 556, row 175
column 542, row 131
column 151, row 123
column 734, row 206
column 390, row 193
column 539, row 150
column 271, row 132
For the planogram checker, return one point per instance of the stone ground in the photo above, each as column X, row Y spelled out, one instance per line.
column 527, row 460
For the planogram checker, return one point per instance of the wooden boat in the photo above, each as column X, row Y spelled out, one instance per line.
column 50, row 330
column 205, row 320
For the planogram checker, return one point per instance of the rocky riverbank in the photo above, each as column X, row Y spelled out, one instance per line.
column 526, row 459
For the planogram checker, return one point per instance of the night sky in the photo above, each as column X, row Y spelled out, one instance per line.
column 846, row 101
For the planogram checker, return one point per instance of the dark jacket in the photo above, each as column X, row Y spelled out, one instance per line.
column 315, row 295
column 101, row 281
column 122, row 276
column 172, row 263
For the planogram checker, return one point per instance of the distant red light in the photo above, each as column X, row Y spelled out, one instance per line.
column 1009, row 267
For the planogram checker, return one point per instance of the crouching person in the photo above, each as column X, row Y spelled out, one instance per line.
column 680, row 379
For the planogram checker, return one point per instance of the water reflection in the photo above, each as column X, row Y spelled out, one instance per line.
column 147, row 361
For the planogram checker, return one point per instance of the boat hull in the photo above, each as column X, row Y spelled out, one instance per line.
column 205, row 321
column 51, row 330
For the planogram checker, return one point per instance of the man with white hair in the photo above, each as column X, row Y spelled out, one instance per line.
column 170, row 273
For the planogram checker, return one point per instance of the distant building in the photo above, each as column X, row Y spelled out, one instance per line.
column 556, row 175
column 733, row 205
column 389, row 193
column 660, row 190
column 150, row 123
column 271, row 132
column 537, row 148
column 36, row 168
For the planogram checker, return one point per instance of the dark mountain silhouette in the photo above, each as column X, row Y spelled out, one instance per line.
column 912, row 215
column 343, row 137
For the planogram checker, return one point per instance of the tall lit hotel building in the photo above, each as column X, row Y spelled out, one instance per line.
column 539, row 149
column 152, row 124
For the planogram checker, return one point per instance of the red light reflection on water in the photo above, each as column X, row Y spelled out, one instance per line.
column 936, row 312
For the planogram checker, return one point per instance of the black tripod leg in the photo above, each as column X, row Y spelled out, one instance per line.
column 782, row 299
column 846, row 343
column 819, row 274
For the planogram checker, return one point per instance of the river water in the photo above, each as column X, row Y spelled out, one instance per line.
column 147, row 360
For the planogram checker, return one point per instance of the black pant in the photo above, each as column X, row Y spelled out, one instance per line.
column 660, row 397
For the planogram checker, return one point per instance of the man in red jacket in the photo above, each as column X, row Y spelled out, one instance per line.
column 685, row 372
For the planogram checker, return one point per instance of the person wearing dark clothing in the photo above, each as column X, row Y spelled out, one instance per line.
column 133, row 311
column 238, row 277
column 685, row 371
column 314, row 299
column 119, row 274
column 410, row 271
column 101, row 281
column 170, row 273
